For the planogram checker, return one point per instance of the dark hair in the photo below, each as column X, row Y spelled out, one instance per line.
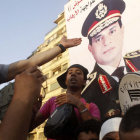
column 62, row 78
column 82, row 68
column 131, row 120
column 90, row 125
column 120, row 24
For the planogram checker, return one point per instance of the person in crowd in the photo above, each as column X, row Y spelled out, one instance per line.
column 105, row 31
column 8, row 72
column 74, row 80
column 88, row 130
column 130, row 124
column 110, row 129
column 16, row 122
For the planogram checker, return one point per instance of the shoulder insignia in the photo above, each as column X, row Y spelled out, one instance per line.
column 91, row 78
column 131, row 66
column 132, row 54
column 104, row 83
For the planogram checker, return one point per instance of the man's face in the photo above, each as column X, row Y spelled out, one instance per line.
column 75, row 78
column 111, row 136
column 134, row 135
column 88, row 136
column 107, row 46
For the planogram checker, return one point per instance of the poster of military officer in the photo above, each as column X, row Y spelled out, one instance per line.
column 106, row 33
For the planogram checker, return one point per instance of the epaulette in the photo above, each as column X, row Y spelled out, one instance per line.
column 132, row 54
column 132, row 60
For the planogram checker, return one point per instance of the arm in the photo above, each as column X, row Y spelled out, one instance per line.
column 42, row 114
column 16, row 122
column 71, row 99
column 38, row 120
column 41, row 58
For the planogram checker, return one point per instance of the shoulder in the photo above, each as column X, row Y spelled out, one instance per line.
column 3, row 66
column 48, row 107
column 3, row 72
column 132, row 60
column 50, row 101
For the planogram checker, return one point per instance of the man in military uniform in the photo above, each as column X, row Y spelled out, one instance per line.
column 105, row 32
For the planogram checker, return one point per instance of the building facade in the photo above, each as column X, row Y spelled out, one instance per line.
column 52, row 70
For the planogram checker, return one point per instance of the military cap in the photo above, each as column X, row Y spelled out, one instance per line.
column 62, row 78
column 101, row 16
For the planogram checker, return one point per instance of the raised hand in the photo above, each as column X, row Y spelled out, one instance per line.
column 67, row 43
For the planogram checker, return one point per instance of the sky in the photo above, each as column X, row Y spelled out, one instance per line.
column 23, row 25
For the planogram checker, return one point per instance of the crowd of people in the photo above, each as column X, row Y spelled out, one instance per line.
column 96, row 112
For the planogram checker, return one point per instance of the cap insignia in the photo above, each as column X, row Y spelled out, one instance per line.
column 101, row 11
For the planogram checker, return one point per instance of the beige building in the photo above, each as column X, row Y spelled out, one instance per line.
column 52, row 69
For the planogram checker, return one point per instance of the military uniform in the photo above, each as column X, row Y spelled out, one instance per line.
column 103, row 91
column 102, row 88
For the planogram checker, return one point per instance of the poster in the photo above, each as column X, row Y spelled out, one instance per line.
column 109, row 30
column 76, row 12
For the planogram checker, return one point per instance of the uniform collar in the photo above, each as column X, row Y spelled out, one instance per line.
column 111, row 69
column 108, row 69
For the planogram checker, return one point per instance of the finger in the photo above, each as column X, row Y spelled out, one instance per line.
column 42, row 79
column 61, row 97
column 36, row 69
column 60, row 102
column 37, row 74
column 77, row 41
column 32, row 69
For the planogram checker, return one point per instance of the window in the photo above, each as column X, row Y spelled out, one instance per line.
column 65, row 66
column 56, row 71
column 54, row 86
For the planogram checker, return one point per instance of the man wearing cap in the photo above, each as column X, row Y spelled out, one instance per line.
column 73, row 80
column 105, row 32
column 110, row 129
